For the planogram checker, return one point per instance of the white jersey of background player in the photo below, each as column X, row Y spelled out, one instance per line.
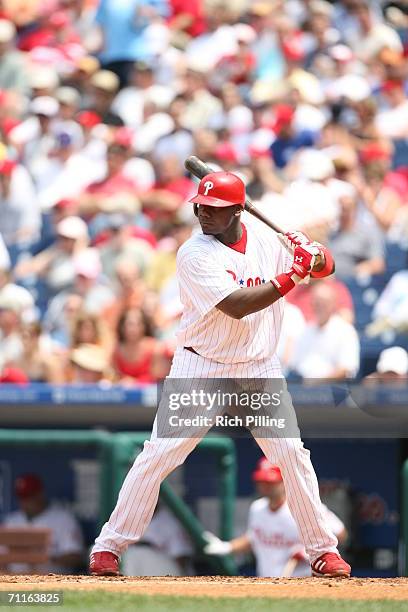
column 232, row 279
column 272, row 534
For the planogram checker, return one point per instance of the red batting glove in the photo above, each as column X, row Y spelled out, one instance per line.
column 303, row 262
column 291, row 240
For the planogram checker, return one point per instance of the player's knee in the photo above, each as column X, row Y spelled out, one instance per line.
column 163, row 457
column 291, row 448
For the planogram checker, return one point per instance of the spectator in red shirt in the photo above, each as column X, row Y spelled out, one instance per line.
column 12, row 375
column 116, row 192
column 137, row 351
column 187, row 16
column 172, row 188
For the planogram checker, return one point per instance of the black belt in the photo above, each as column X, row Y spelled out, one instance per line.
column 190, row 348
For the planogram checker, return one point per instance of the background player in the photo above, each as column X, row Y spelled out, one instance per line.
column 272, row 534
column 232, row 277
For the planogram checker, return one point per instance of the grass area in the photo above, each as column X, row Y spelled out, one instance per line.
column 126, row 602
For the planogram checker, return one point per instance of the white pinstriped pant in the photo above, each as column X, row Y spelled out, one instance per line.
column 160, row 456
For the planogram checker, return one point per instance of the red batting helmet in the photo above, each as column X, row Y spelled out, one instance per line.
column 220, row 189
column 28, row 485
column 266, row 472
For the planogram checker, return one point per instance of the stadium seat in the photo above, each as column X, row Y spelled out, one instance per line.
column 372, row 347
column 396, row 257
column 400, row 153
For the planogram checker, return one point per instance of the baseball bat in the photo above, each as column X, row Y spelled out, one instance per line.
column 200, row 169
column 289, row 568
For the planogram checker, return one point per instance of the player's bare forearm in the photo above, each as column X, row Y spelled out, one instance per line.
column 241, row 545
column 248, row 300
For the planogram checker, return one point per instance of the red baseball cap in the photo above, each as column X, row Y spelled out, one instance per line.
column 391, row 85
column 284, row 115
column 28, row 485
column 13, row 376
column 65, row 203
column 373, row 152
column 7, row 166
column 123, row 137
column 8, row 124
column 225, row 151
column 266, row 472
column 88, row 119
column 292, row 47
column 220, row 189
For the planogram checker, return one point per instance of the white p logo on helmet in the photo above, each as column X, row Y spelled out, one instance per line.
column 208, row 185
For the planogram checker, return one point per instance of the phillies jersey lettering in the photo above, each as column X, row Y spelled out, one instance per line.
column 208, row 271
column 249, row 282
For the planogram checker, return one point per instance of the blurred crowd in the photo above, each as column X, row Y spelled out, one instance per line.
column 101, row 102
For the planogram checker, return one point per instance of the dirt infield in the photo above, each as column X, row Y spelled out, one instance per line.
column 219, row 586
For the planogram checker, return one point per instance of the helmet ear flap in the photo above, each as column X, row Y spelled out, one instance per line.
column 195, row 208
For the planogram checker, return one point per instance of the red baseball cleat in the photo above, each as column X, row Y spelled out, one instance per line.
column 331, row 565
column 104, row 564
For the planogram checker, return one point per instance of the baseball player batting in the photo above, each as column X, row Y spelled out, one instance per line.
column 232, row 278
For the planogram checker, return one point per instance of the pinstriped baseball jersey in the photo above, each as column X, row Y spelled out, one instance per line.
column 208, row 271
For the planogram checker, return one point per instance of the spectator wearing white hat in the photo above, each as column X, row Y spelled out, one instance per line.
column 129, row 102
column 15, row 302
column 104, row 85
column 44, row 80
column 203, row 109
column 88, row 283
column 90, row 364
column 179, row 141
column 55, row 263
column 69, row 100
column 33, row 138
column 65, row 172
column 392, row 367
column 20, row 220
column 13, row 63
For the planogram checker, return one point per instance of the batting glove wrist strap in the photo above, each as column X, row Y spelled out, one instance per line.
column 284, row 282
column 328, row 267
